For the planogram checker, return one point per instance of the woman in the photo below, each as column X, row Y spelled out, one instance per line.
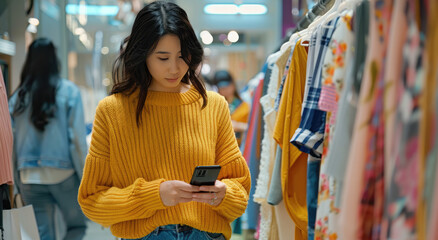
column 159, row 124
column 238, row 108
column 49, row 141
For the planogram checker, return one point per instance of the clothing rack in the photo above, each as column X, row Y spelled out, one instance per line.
column 319, row 9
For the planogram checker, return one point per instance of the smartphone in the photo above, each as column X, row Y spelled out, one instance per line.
column 205, row 175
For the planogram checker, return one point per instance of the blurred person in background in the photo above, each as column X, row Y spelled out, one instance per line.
column 239, row 109
column 49, row 141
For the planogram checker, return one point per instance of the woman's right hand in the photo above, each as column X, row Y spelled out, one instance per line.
column 174, row 192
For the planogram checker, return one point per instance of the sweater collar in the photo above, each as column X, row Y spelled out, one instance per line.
column 172, row 98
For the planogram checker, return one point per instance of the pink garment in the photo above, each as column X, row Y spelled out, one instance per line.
column 392, row 78
column 6, row 140
column 392, row 82
column 328, row 101
column 253, row 130
column 359, row 151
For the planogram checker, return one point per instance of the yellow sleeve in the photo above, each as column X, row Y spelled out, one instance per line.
column 241, row 113
column 234, row 172
column 99, row 199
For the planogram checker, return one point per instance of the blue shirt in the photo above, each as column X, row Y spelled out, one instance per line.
column 62, row 144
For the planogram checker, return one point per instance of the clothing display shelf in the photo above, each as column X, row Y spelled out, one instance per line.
column 317, row 10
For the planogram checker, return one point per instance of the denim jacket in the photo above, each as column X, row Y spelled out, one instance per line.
column 63, row 142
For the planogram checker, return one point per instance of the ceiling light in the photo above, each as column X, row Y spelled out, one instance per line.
column 221, row 9
column 34, row 21
column 104, row 50
column 83, row 37
column 79, row 31
column 206, row 37
column 207, row 40
column 204, row 34
column 205, row 70
column 31, row 28
column 106, row 82
column 82, row 12
column 97, row 10
column 296, row 11
column 233, row 36
column 251, row 9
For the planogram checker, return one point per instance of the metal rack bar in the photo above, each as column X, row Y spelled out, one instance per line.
column 319, row 9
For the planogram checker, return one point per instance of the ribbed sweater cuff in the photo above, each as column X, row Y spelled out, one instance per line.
column 150, row 192
column 234, row 203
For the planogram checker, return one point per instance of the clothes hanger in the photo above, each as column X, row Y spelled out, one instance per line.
column 317, row 22
column 332, row 14
column 292, row 39
column 345, row 5
column 311, row 27
column 308, row 17
column 305, row 38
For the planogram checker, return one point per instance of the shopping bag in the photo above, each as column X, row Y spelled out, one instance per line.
column 20, row 224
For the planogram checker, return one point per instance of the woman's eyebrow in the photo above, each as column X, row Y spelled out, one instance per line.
column 164, row 52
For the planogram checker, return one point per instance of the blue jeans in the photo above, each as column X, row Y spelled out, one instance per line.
column 180, row 232
column 313, row 168
column 44, row 198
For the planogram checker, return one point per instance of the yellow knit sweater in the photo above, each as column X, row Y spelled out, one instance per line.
column 126, row 163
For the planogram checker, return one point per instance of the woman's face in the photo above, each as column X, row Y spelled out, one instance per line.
column 166, row 65
column 227, row 91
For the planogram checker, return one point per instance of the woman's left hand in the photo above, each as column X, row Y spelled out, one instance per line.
column 213, row 194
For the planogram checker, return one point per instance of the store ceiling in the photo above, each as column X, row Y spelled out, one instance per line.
column 114, row 30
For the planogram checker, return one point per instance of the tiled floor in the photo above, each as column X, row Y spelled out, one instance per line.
column 97, row 232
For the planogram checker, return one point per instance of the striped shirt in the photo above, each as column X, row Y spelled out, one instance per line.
column 310, row 135
column 6, row 139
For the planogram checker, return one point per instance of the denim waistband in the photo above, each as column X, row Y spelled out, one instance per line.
column 173, row 227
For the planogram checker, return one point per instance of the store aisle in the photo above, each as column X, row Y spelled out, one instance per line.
column 97, row 232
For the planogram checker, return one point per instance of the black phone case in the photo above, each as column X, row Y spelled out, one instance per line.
column 205, row 175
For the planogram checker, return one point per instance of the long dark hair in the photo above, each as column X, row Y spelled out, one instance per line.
column 155, row 20
column 39, row 80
